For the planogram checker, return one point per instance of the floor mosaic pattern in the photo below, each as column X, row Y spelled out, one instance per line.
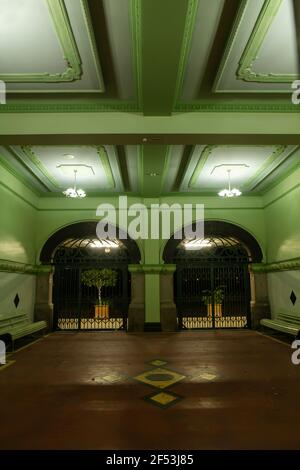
column 161, row 379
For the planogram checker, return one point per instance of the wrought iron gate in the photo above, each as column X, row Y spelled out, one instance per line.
column 75, row 304
column 212, row 288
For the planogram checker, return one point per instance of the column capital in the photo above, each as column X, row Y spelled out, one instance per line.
column 152, row 268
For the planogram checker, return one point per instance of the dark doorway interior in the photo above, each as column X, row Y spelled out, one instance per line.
column 75, row 304
column 211, row 284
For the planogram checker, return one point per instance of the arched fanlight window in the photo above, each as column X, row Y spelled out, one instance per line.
column 74, row 250
column 213, row 247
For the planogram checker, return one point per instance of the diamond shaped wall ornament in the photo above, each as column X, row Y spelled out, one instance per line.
column 16, row 300
column 293, row 297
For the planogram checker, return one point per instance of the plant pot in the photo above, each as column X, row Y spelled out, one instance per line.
column 217, row 310
column 209, row 310
column 101, row 311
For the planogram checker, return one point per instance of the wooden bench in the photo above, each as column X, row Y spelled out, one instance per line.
column 284, row 322
column 18, row 326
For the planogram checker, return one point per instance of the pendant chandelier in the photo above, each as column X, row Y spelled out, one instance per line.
column 234, row 192
column 74, row 192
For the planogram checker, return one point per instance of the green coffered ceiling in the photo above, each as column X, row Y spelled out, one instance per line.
column 151, row 56
column 149, row 171
column 67, row 51
column 129, row 71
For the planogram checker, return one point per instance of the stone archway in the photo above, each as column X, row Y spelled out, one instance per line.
column 77, row 234
column 258, row 302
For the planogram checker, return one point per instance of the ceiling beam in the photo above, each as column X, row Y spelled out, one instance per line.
column 152, row 139
column 152, row 169
column 163, row 25
column 120, row 128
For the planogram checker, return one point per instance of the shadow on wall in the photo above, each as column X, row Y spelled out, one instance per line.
column 297, row 23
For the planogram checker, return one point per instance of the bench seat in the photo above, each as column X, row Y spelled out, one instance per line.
column 286, row 323
column 18, row 326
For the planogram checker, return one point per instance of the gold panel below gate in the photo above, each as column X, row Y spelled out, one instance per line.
column 220, row 322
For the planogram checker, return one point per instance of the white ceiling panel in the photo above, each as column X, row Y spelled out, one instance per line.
column 261, row 55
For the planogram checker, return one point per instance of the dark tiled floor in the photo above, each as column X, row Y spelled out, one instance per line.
column 76, row 391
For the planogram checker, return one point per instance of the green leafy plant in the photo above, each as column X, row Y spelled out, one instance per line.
column 207, row 297
column 99, row 278
column 216, row 296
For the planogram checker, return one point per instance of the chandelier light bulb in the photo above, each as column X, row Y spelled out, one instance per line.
column 234, row 192
column 74, row 192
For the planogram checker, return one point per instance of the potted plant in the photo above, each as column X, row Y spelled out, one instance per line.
column 218, row 300
column 207, row 299
column 216, row 296
column 100, row 278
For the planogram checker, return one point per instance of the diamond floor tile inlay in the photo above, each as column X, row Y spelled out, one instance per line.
column 111, row 378
column 163, row 399
column 158, row 363
column 159, row 378
column 207, row 376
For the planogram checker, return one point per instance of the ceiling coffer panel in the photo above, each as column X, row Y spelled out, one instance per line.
column 261, row 54
column 48, row 45
column 97, row 167
column 250, row 166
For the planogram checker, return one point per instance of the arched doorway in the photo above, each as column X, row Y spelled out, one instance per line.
column 212, row 279
column 77, row 254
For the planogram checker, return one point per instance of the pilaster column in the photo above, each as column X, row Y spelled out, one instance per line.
column 136, row 311
column 168, row 311
column 260, row 307
column 43, row 309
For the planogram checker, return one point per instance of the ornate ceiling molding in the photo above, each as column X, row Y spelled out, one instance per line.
column 106, row 166
column 262, row 26
column 27, row 150
column 63, row 29
column 136, row 31
column 186, row 45
column 217, row 107
column 260, row 174
column 45, row 178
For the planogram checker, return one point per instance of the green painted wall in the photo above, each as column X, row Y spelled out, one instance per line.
column 280, row 285
column 27, row 222
column 283, row 235
column 55, row 213
column 282, row 219
column 18, row 219
column 12, row 284
column 17, row 243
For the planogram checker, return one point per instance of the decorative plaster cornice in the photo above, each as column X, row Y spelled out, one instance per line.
column 186, row 45
column 136, row 32
column 132, row 107
column 63, row 29
column 289, row 265
column 88, row 107
column 22, row 268
column 101, row 150
column 215, row 107
column 262, row 26
column 28, row 151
